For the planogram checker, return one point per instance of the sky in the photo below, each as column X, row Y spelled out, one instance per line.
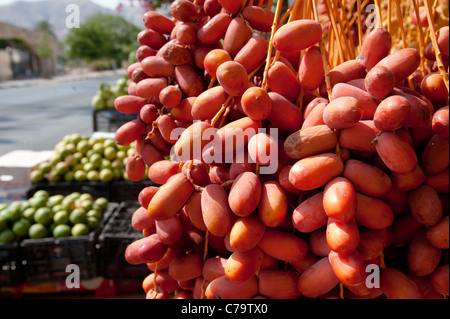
column 111, row 4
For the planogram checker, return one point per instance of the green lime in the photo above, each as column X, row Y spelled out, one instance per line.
column 93, row 176
column 78, row 215
column 100, row 203
column 45, row 167
column 69, row 176
column 53, row 176
column 86, row 196
column 84, row 160
column 70, row 160
column 80, row 229
column 61, row 230
column 55, row 200
column 92, row 222
column 105, row 164
column 94, row 213
column 62, row 168
column 96, row 159
column 86, row 204
column 42, row 193
column 38, row 202
column 29, row 213
column 80, row 176
column 110, row 152
column 88, row 167
column 106, row 175
column 74, row 195
column 109, row 142
column 37, row 231
column 43, row 215
column 21, row 227
column 36, row 176
column 61, row 217
column 83, row 146
column 98, row 148
column 7, row 236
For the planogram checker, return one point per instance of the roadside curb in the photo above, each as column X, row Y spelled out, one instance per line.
column 13, row 84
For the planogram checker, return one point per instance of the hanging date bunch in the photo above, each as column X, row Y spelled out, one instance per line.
column 301, row 151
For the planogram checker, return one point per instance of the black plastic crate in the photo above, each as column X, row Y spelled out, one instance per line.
column 109, row 120
column 11, row 272
column 128, row 190
column 113, row 241
column 96, row 189
column 45, row 260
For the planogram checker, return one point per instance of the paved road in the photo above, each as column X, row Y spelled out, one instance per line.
column 35, row 115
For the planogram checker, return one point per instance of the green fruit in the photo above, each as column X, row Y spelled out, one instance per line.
column 88, row 167
column 109, row 142
column 74, row 195
column 105, row 164
column 86, row 196
column 42, row 193
column 12, row 213
column 117, row 164
column 53, row 176
column 120, row 155
column 80, row 176
column 93, row 176
column 61, row 168
column 37, row 231
column 78, row 215
column 106, row 175
column 83, row 146
column 97, row 102
column 92, row 222
column 29, row 213
column 45, row 167
column 38, row 202
column 61, row 217
column 62, row 231
column 62, row 153
column 21, row 227
column 80, row 230
column 7, row 236
column 100, row 203
column 36, row 176
column 69, row 177
column 43, row 215
column 98, row 148
column 71, row 146
column 68, row 204
column 77, row 156
column 95, row 159
column 110, row 152
column 55, row 200
column 94, row 213
column 85, row 204
column 70, row 160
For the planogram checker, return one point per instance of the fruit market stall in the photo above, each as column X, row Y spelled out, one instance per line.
column 312, row 154
column 292, row 152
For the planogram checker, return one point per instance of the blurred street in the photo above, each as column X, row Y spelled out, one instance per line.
column 36, row 114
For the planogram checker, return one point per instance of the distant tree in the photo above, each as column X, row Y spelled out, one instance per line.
column 102, row 36
column 146, row 5
column 44, row 26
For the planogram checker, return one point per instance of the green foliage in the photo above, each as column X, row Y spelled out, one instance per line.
column 102, row 36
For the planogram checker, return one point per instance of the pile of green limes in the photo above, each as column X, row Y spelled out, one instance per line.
column 42, row 215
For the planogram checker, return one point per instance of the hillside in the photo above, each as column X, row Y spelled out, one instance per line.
column 27, row 14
